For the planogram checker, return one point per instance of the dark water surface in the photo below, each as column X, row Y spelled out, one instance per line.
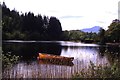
column 30, row 67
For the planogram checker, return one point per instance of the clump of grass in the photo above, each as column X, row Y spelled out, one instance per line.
column 8, row 60
column 99, row 72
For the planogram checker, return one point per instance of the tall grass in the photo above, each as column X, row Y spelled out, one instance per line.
column 99, row 71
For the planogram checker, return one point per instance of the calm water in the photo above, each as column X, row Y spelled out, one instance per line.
column 30, row 67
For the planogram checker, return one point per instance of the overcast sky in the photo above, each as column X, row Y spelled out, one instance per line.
column 73, row 14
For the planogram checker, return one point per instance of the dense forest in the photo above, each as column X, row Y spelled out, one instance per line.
column 28, row 26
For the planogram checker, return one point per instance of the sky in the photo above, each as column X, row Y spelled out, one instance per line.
column 73, row 14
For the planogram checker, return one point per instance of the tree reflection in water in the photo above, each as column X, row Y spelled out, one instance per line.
column 29, row 66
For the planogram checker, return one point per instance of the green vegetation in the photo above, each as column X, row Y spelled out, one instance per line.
column 101, row 36
column 8, row 60
column 112, row 34
column 111, row 70
column 36, row 27
column 28, row 26
column 77, row 35
column 104, row 36
column 99, row 72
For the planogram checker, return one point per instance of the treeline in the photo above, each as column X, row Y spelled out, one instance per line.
column 36, row 27
column 113, row 32
column 77, row 35
column 111, row 35
column 28, row 26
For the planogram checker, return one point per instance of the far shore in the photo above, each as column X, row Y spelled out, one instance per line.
column 115, row 43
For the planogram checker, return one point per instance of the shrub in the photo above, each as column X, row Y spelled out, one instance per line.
column 99, row 72
column 8, row 60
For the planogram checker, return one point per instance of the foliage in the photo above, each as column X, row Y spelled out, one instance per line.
column 28, row 26
column 73, row 35
column 8, row 60
column 36, row 27
column 101, row 35
column 112, row 34
column 54, row 28
column 99, row 72
column 111, row 70
column 77, row 35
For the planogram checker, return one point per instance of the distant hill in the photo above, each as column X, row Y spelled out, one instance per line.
column 93, row 29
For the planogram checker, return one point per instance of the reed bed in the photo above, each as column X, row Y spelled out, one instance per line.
column 34, row 69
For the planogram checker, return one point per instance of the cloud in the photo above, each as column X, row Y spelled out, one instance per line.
column 64, row 17
column 100, row 21
column 53, row 11
column 73, row 14
column 112, row 13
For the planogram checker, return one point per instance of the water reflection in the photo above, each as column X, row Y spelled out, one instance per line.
column 82, row 53
column 31, row 50
column 56, row 62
